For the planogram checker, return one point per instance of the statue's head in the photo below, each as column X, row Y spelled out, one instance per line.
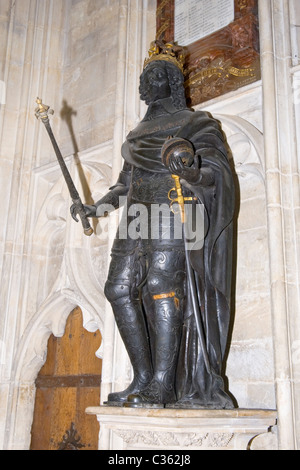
column 162, row 76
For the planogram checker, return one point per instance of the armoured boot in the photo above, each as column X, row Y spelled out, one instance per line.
column 131, row 324
column 167, row 334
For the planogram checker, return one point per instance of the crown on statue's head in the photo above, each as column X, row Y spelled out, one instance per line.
column 169, row 52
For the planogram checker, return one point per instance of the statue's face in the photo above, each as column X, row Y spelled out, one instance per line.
column 155, row 83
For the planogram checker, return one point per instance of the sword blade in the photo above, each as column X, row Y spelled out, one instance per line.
column 196, row 309
column 191, row 278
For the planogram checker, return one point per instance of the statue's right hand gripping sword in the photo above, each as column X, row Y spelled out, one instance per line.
column 42, row 112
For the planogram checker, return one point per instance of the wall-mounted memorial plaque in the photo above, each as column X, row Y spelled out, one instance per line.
column 221, row 39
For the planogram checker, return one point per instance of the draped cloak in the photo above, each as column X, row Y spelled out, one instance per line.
column 212, row 264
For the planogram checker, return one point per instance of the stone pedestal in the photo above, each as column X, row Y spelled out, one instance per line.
column 169, row 429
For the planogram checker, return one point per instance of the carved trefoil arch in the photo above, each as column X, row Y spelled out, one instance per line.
column 67, row 270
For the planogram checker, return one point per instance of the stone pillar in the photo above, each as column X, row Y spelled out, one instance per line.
column 282, row 186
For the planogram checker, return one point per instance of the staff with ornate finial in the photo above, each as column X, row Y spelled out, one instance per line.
column 42, row 112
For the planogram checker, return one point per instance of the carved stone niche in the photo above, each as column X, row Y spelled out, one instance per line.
column 144, row 429
column 222, row 61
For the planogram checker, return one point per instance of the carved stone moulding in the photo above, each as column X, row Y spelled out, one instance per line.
column 142, row 429
column 220, row 62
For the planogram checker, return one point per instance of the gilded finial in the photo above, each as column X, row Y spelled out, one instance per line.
column 42, row 111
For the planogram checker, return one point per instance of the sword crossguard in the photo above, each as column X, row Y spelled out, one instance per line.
column 42, row 111
column 180, row 199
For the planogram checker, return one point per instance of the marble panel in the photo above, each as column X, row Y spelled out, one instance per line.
column 166, row 429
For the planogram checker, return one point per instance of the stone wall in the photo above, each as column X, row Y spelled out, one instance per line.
column 74, row 55
column 250, row 369
column 31, row 63
column 84, row 58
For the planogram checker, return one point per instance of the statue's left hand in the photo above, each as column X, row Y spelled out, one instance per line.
column 189, row 173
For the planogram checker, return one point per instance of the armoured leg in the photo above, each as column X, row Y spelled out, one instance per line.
column 164, row 306
column 119, row 290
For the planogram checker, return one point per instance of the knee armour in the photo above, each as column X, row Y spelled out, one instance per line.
column 115, row 291
column 157, row 283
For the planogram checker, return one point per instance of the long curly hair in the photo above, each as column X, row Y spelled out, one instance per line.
column 176, row 83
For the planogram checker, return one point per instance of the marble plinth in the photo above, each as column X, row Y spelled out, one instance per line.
column 170, row 429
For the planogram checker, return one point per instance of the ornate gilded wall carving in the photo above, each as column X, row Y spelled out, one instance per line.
column 223, row 61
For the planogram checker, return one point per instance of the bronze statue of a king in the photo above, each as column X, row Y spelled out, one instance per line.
column 170, row 296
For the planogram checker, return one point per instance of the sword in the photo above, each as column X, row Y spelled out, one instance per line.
column 190, row 275
column 42, row 112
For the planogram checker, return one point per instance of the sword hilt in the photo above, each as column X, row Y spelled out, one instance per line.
column 180, row 199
